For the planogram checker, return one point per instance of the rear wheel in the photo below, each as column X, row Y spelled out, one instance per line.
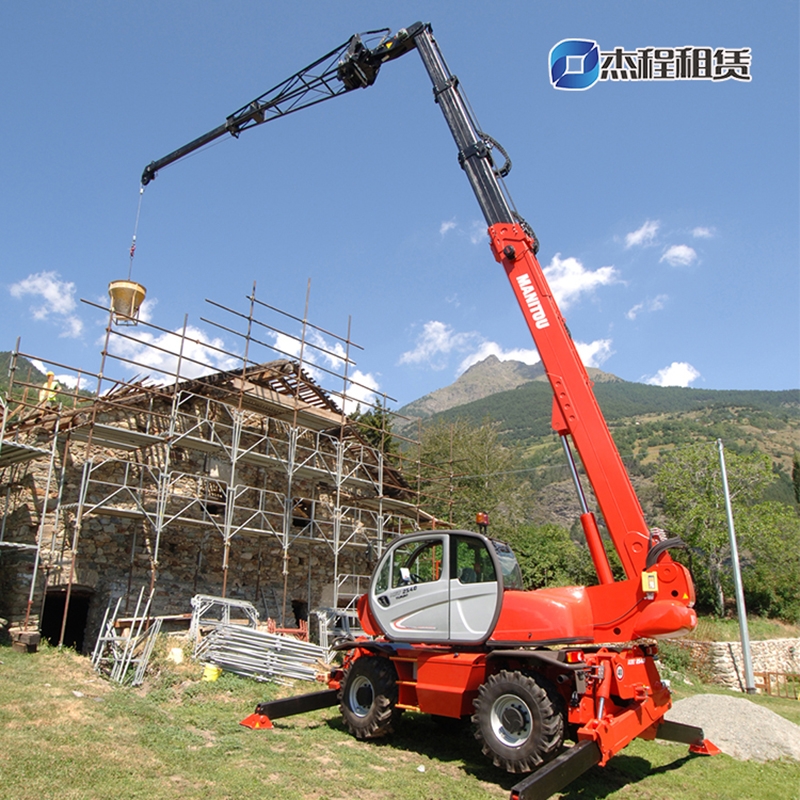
column 518, row 720
column 368, row 697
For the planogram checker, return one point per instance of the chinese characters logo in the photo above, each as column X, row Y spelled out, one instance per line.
column 579, row 64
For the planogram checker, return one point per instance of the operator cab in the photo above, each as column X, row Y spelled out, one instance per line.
column 442, row 587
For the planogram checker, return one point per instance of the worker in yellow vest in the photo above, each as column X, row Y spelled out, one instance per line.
column 48, row 394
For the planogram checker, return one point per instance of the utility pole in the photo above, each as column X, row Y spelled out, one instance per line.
column 749, row 681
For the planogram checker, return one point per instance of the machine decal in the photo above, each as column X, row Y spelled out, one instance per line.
column 532, row 301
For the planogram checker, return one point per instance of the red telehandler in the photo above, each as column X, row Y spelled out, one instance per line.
column 451, row 632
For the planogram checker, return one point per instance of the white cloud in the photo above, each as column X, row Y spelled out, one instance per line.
column 58, row 295
column 57, row 300
column 316, row 350
column 654, row 304
column 478, row 233
column 569, row 279
column 643, row 236
column 594, row 354
column 333, row 355
column 634, row 311
column 159, row 353
column 361, row 389
column 436, row 342
column 147, row 309
column 679, row 255
column 286, row 346
column 678, row 373
column 72, row 328
column 703, row 233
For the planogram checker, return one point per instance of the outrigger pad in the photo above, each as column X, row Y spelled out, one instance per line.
column 256, row 721
column 704, row 748
column 687, row 734
column 275, row 709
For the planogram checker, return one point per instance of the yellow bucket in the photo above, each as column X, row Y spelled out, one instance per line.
column 211, row 673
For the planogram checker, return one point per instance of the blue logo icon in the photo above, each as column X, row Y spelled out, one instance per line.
column 574, row 64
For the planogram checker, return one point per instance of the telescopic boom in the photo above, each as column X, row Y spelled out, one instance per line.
column 576, row 413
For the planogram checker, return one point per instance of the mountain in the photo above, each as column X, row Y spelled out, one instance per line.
column 644, row 420
column 484, row 379
column 26, row 373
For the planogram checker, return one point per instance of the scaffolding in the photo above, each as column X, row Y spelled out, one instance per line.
column 232, row 446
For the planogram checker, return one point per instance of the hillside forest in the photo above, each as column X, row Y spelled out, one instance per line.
column 504, row 459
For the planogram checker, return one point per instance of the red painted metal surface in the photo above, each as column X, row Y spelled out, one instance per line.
column 704, row 748
column 576, row 409
column 257, row 722
column 561, row 614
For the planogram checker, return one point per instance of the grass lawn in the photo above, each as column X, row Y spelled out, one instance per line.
column 68, row 733
column 712, row 629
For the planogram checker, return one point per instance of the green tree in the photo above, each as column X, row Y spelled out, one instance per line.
column 375, row 426
column 769, row 541
column 465, row 468
column 796, row 476
column 690, row 483
column 548, row 556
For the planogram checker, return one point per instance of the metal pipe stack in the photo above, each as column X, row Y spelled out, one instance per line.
column 260, row 655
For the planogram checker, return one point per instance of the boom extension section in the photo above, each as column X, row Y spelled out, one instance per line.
column 350, row 66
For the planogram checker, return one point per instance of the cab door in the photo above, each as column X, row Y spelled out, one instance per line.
column 437, row 587
column 409, row 594
column 475, row 588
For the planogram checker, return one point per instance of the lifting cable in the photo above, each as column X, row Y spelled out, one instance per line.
column 135, row 231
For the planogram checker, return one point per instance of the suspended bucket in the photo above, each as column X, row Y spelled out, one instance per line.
column 126, row 298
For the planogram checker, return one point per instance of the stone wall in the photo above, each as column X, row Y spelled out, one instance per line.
column 722, row 662
column 116, row 553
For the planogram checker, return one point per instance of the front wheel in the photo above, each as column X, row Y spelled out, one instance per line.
column 368, row 697
column 518, row 720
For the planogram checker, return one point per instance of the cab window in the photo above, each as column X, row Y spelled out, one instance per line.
column 512, row 575
column 382, row 581
column 418, row 562
column 473, row 564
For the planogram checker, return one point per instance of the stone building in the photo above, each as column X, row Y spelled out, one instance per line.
column 249, row 484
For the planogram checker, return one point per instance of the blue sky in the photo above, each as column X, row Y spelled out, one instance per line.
column 667, row 210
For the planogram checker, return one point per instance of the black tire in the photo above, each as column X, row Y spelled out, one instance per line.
column 368, row 696
column 518, row 720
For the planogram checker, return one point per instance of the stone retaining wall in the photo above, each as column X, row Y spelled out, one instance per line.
column 722, row 662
